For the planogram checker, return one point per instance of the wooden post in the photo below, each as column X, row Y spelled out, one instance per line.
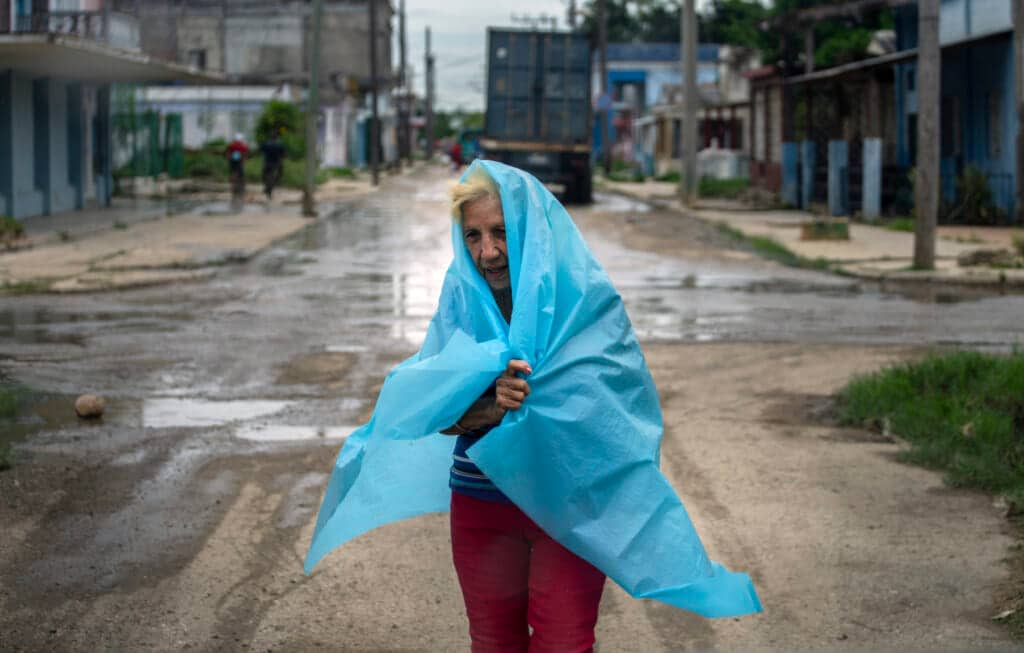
column 429, row 68
column 926, row 183
column 404, row 152
column 1018, row 68
column 688, row 133
column 312, row 104
column 602, row 35
column 375, row 117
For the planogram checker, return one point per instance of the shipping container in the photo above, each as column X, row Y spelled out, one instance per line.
column 538, row 115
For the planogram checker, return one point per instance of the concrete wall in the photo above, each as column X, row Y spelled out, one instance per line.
column 958, row 19
column 46, row 146
column 200, row 33
column 345, row 42
column 962, row 18
column 62, row 196
column 265, row 45
column 24, row 198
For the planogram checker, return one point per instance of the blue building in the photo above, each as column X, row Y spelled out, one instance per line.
column 977, row 115
column 56, row 72
column 644, row 85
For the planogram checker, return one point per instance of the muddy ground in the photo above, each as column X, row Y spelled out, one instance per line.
column 181, row 520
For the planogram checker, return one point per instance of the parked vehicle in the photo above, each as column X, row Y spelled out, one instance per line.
column 538, row 114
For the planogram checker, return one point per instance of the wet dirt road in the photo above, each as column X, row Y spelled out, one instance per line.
column 182, row 519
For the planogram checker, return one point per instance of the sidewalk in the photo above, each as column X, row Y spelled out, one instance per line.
column 870, row 253
column 137, row 245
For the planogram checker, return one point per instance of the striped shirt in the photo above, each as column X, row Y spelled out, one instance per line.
column 465, row 477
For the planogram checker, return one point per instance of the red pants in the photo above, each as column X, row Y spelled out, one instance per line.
column 515, row 577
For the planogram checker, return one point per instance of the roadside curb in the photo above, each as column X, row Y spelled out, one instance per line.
column 995, row 278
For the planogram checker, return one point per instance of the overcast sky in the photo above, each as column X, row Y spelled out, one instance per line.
column 459, row 40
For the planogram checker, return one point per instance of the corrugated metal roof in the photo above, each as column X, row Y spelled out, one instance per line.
column 707, row 52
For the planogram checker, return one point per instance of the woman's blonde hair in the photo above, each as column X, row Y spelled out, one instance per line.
column 477, row 186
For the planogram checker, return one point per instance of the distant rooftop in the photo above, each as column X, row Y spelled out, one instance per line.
column 707, row 52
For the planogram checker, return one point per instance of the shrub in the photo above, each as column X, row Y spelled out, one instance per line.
column 283, row 117
column 724, row 188
column 974, row 202
column 343, row 172
column 10, row 228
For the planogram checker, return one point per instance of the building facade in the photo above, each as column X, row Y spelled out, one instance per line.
column 978, row 119
column 645, row 89
column 58, row 61
column 263, row 48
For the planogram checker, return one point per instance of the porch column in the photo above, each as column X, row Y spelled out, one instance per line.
column 807, row 161
column 838, row 178
column 871, row 188
column 1018, row 75
column 790, row 174
column 6, row 142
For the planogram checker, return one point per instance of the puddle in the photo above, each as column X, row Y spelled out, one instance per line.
column 284, row 433
column 167, row 412
column 613, row 203
column 349, row 348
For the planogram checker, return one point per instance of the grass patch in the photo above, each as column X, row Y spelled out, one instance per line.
column 722, row 188
column 12, row 396
column 900, row 224
column 341, row 172
column 773, row 250
column 671, row 176
column 821, row 229
column 963, row 413
column 10, row 228
column 30, row 287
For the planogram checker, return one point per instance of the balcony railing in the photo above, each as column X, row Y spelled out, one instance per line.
column 87, row 24
column 114, row 27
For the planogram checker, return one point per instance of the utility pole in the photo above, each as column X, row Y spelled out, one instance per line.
column 926, row 183
column 430, row 100
column 403, row 97
column 222, row 29
column 312, row 104
column 602, row 31
column 1018, row 67
column 375, row 124
column 688, row 131
column 572, row 15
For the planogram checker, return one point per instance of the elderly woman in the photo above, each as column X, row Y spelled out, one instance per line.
column 532, row 362
column 514, row 576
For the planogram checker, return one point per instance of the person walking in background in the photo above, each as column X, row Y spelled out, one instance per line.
column 237, row 152
column 456, row 155
column 273, row 151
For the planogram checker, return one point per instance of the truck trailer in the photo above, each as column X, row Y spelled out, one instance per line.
column 538, row 114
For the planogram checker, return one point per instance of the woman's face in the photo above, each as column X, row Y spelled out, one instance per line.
column 483, row 230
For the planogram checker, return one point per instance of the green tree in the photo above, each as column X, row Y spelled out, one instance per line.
column 740, row 22
column 281, row 117
column 736, row 22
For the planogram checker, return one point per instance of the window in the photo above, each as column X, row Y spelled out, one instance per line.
column 197, row 59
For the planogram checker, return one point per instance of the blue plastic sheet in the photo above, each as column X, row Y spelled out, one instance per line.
column 580, row 457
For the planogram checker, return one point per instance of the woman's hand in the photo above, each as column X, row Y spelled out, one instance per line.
column 510, row 390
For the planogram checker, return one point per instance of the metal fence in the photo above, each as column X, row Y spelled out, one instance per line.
column 145, row 143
